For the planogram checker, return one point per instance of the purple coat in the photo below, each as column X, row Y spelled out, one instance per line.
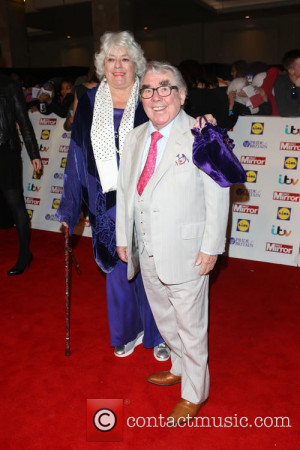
column 81, row 183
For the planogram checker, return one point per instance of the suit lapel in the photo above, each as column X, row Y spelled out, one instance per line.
column 174, row 146
column 138, row 147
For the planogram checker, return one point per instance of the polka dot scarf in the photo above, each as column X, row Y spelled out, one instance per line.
column 103, row 136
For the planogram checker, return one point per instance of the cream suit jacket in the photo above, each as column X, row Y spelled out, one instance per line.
column 188, row 210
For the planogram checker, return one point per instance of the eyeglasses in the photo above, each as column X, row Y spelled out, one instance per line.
column 163, row 91
column 293, row 91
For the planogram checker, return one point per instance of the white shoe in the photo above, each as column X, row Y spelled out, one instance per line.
column 162, row 352
column 125, row 350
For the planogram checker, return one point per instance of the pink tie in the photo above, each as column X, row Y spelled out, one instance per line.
column 150, row 163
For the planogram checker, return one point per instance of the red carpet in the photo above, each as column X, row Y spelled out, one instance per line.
column 254, row 358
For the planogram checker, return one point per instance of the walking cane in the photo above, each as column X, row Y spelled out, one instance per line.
column 68, row 273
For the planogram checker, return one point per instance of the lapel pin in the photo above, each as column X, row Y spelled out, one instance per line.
column 181, row 159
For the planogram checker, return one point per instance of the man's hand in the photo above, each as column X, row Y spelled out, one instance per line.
column 200, row 122
column 207, row 262
column 123, row 253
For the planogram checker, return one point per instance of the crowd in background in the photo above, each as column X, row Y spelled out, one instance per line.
column 254, row 88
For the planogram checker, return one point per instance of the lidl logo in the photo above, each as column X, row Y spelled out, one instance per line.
column 290, row 162
column 243, row 225
column 63, row 162
column 37, row 175
column 45, row 134
column 55, row 203
column 251, row 176
column 257, row 128
column 30, row 213
column 284, row 213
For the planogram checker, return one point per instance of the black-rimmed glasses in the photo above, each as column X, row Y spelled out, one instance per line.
column 163, row 91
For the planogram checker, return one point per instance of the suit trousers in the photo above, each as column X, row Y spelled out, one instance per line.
column 181, row 315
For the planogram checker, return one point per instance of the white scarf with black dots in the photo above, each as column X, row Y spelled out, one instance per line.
column 103, row 136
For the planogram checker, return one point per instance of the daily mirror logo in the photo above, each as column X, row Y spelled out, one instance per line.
column 47, row 121
column 279, row 248
column 290, row 146
column 32, row 201
column 246, row 209
column 254, row 160
column 286, row 196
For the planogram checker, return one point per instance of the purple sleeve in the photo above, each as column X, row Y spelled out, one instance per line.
column 70, row 203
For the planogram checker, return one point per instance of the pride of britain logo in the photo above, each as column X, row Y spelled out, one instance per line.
column 255, row 144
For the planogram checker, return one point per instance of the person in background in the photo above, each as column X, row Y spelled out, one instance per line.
column 30, row 86
column 239, row 103
column 287, row 85
column 171, row 222
column 66, row 91
column 192, row 72
column 80, row 87
column 206, row 96
column 13, row 111
column 45, row 96
column 268, row 88
column 91, row 81
column 50, row 102
column 239, row 69
column 104, row 115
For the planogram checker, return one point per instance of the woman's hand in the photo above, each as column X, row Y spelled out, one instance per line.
column 200, row 121
column 37, row 164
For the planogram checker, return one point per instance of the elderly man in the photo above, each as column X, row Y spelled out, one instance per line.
column 171, row 223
